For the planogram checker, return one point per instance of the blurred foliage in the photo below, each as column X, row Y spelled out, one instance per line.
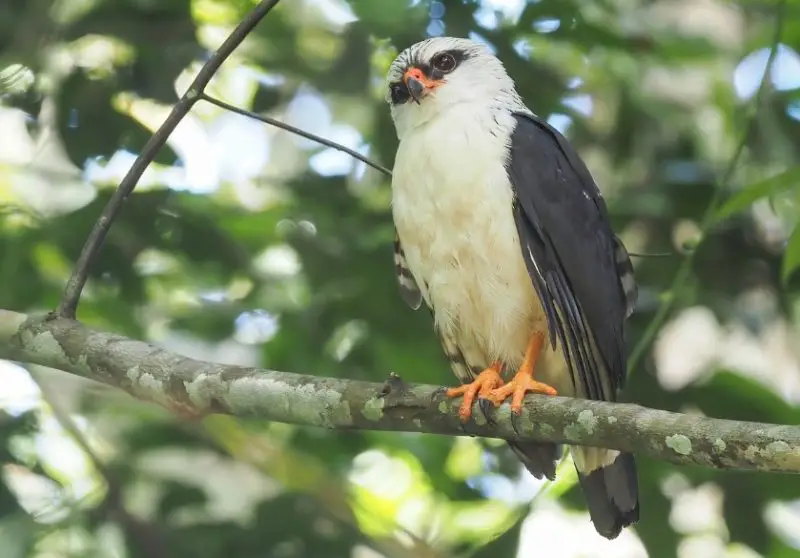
column 244, row 244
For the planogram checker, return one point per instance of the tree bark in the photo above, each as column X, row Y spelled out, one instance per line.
column 198, row 388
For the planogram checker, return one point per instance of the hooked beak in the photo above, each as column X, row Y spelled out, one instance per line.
column 417, row 84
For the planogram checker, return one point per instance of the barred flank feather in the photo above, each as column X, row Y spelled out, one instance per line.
column 409, row 289
column 626, row 277
column 456, row 358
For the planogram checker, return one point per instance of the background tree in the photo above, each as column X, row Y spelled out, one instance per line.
column 245, row 244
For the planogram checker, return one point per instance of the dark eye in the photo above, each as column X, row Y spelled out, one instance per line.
column 399, row 93
column 444, row 62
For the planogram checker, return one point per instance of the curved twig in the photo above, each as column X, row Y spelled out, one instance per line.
column 80, row 273
column 297, row 131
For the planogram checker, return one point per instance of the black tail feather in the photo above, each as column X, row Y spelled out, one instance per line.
column 539, row 459
column 612, row 495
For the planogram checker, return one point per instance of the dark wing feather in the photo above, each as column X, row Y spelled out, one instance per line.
column 409, row 289
column 583, row 275
column 579, row 268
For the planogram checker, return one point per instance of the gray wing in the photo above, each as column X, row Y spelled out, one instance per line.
column 580, row 269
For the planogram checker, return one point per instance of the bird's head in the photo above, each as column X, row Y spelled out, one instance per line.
column 432, row 76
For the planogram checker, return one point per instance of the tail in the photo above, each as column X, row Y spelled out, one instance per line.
column 609, row 483
column 539, row 459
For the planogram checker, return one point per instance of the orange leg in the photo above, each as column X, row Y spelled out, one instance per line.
column 523, row 381
column 483, row 383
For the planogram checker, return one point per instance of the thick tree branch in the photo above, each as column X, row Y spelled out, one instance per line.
column 190, row 386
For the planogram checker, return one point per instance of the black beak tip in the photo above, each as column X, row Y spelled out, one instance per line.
column 415, row 89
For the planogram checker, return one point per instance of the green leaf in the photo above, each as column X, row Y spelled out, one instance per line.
column 767, row 187
column 18, row 535
column 791, row 258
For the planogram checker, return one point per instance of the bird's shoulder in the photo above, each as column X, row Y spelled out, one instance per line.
column 574, row 186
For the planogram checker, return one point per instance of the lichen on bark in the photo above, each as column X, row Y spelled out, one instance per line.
column 191, row 386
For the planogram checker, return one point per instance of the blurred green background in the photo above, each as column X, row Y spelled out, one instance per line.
column 246, row 245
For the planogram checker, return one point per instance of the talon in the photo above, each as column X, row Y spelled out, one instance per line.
column 514, row 420
column 482, row 385
column 486, row 408
column 523, row 381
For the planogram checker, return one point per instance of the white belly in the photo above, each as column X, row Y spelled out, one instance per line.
column 452, row 207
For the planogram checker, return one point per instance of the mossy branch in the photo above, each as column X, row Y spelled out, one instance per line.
column 197, row 388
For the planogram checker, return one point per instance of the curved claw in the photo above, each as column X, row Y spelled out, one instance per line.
column 514, row 418
column 516, row 389
column 487, row 408
column 523, row 381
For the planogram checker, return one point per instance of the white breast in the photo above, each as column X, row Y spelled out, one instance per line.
column 452, row 206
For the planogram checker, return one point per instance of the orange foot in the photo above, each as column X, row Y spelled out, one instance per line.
column 481, row 386
column 523, row 381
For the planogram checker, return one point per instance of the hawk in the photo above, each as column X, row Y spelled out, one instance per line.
column 503, row 234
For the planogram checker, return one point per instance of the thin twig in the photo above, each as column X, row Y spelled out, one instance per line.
column 339, row 147
column 80, row 273
column 297, row 131
column 708, row 217
column 653, row 255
